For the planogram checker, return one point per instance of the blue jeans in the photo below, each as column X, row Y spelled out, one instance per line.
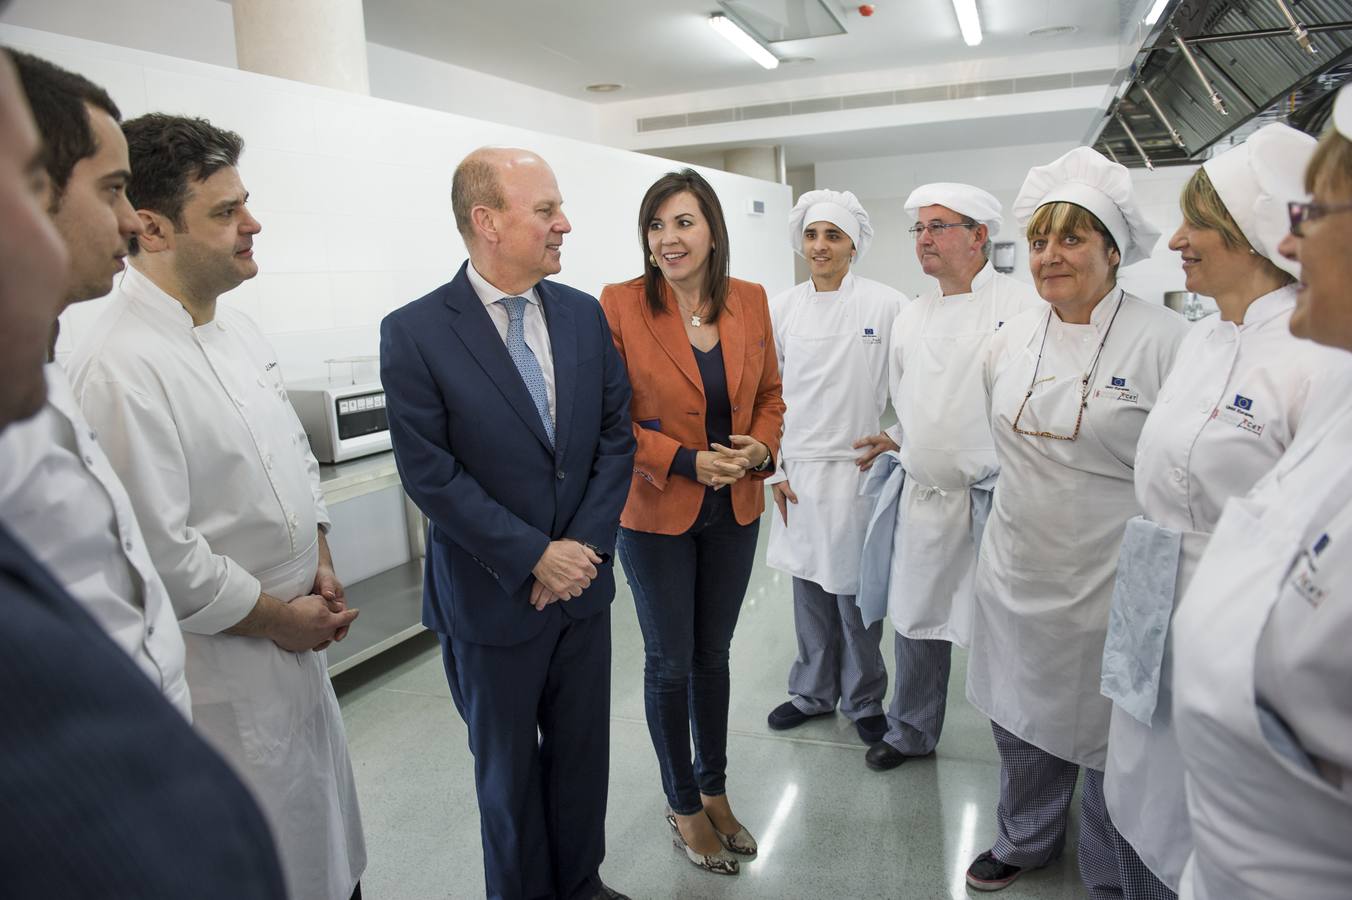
column 688, row 590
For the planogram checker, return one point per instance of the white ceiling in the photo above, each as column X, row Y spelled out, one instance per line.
column 662, row 48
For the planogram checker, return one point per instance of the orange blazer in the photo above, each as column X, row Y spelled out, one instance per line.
column 668, row 404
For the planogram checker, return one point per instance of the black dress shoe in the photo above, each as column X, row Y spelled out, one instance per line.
column 883, row 756
column 871, row 729
column 609, row 894
column 786, row 716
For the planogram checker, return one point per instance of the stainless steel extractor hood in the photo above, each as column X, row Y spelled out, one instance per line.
column 1212, row 71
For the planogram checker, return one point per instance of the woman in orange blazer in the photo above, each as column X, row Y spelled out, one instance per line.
column 707, row 415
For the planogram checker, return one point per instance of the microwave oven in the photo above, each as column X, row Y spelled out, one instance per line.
column 342, row 421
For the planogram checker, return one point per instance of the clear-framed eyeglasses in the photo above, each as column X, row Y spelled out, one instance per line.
column 935, row 229
column 1300, row 213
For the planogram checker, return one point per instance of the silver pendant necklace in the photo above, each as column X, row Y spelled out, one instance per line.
column 695, row 320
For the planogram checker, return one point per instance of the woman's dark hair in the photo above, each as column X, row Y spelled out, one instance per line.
column 716, row 270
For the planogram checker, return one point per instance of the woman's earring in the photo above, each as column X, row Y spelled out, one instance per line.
column 652, row 259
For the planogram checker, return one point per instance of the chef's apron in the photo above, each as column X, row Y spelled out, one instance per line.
column 274, row 716
column 832, row 377
column 941, row 410
column 1143, row 782
column 1047, row 562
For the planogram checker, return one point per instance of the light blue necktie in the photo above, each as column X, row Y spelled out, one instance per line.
column 525, row 360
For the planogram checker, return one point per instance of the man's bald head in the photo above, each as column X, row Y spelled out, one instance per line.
column 478, row 182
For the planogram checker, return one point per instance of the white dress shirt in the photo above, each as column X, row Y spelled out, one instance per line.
column 533, row 323
column 61, row 498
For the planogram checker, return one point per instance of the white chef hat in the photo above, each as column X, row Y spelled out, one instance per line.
column 1256, row 180
column 1086, row 178
column 963, row 199
column 841, row 208
column 1342, row 112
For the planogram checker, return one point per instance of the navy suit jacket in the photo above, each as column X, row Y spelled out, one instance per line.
column 105, row 790
column 473, row 454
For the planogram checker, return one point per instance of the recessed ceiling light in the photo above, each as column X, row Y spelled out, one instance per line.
column 605, row 87
column 796, row 60
column 1053, row 30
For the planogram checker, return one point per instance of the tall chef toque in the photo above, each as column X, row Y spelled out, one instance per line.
column 841, row 208
column 963, row 199
column 1087, row 179
column 1257, row 179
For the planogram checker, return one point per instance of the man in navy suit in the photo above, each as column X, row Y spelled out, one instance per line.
column 105, row 790
column 509, row 412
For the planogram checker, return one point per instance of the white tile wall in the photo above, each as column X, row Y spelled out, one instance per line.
column 354, row 197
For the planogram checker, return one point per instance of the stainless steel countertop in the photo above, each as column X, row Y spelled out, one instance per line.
column 346, row 480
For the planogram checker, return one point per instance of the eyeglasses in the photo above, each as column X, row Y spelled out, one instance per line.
column 1300, row 213
column 1084, row 383
column 936, row 228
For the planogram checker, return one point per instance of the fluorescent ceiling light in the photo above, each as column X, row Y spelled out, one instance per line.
column 1155, row 12
column 968, row 21
column 734, row 35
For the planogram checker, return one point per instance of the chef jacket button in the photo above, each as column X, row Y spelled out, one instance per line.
column 1178, row 475
column 89, row 460
column 93, row 435
column 262, row 382
column 220, row 326
column 559, row 474
column 128, row 545
column 150, row 631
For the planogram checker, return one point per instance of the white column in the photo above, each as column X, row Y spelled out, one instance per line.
column 755, row 162
column 320, row 42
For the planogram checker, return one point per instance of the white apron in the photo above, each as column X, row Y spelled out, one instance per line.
column 1264, row 824
column 274, row 716
column 1143, row 782
column 835, row 387
column 1045, row 576
column 945, row 449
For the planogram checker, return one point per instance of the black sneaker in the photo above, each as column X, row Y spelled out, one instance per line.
column 986, row 873
column 786, row 716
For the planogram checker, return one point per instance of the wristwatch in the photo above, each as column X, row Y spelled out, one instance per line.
column 764, row 464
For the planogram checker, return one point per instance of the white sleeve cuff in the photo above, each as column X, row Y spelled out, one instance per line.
column 234, row 600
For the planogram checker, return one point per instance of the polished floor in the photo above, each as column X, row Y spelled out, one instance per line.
column 828, row 827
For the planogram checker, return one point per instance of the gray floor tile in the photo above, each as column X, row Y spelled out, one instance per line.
column 829, row 828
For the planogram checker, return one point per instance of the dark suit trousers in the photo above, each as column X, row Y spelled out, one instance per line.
column 539, row 728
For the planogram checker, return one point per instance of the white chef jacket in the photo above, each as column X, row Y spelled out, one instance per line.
column 60, row 497
column 1229, row 409
column 938, row 343
column 832, row 348
column 196, row 421
column 1262, row 672
column 1047, row 562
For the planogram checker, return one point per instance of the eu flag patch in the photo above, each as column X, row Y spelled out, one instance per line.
column 868, row 331
column 1242, row 402
column 1119, row 382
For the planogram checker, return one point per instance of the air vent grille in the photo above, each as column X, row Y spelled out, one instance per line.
column 960, row 91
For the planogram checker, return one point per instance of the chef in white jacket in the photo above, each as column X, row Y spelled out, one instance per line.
column 190, row 405
column 946, row 460
column 58, row 492
column 1069, row 388
column 831, row 334
column 1237, row 397
column 1261, row 638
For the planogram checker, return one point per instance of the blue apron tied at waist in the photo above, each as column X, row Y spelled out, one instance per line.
column 885, row 533
column 1138, row 624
